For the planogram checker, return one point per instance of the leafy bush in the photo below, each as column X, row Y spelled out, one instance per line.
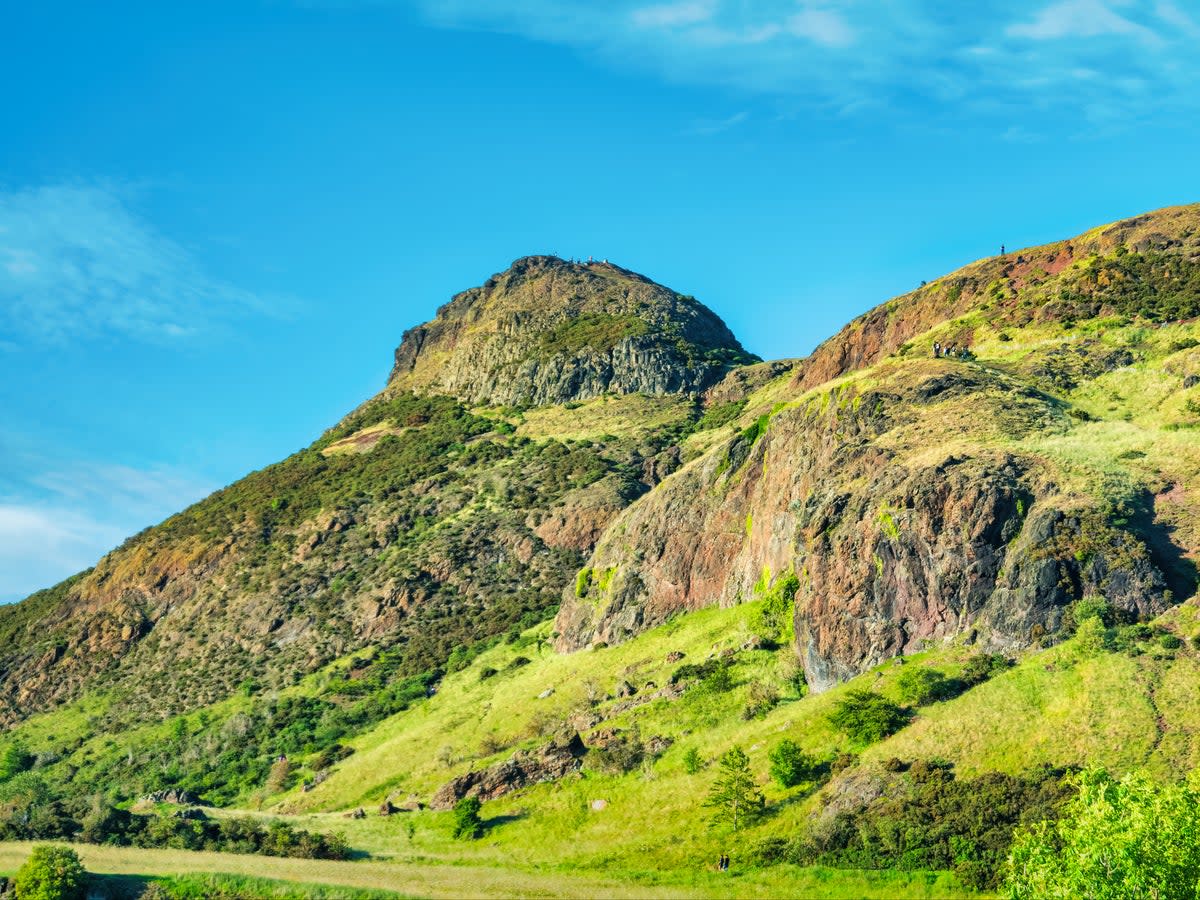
column 13, row 761
column 982, row 666
column 1115, row 839
column 622, row 753
column 761, row 700
column 790, row 765
column 866, row 717
column 919, row 685
column 692, row 761
column 776, row 617
column 467, row 824
column 51, row 873
column 929, row 820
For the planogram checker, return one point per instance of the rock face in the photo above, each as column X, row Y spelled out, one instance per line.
column 549, row 331
column 888, row 542
column 557, row 759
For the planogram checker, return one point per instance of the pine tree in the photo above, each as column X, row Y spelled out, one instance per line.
column 734, row 796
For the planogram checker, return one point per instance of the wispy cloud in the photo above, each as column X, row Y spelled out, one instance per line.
column 76, row 261
column 59, row 514
column 708, row 127
column 948, row 57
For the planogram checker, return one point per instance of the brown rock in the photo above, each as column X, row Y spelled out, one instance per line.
column 556, row 759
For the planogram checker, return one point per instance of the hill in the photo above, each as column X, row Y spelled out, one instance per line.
column 581, row 545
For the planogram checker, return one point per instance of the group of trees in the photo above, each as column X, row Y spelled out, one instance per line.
column 30, row 809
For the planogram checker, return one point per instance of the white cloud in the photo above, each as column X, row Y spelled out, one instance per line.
column 40, row 546
column 76, row 261
column 670, row 15
column 60, row 515
column 823, row 26
column 932, row 57
column 1079, row 19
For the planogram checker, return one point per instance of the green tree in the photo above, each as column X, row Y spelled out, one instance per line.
column 692, row 763
column 13, row 761
column 734, row 797
column 790, row 765
column 52, row 872
column 866, row 717
column 1116, row 840
column 467, row 824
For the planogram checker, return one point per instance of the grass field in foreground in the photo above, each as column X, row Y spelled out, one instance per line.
column 435, row 880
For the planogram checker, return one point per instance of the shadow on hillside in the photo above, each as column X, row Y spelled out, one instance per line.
column 1180, row 572
column 498, row 821
column 117, row 887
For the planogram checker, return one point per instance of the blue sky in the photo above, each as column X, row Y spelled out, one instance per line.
column 217, row 218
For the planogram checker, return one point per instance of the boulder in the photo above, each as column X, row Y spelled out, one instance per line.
column 559, row 758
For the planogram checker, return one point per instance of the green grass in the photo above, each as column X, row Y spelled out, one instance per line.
column 124, row 871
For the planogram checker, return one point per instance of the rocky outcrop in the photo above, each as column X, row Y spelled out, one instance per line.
column 1016, row 286
column 559, row 758
column 888, row 543
column 550, row 331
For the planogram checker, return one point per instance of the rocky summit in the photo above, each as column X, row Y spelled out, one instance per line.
column 550, row 331
column 583, row 563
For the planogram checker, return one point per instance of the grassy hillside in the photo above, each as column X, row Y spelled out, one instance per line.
column 368, row 620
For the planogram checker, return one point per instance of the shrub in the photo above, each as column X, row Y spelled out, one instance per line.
column 622, row 753
column 692, row 761
column 467, row 823
column 932, row 821
column 841, row 762
column 790, row 765
column 51, row 873
column 982, row 666
column 919, row 685
column 775, row 618
column 486, row 672
column 761, row 700
column 13, row 761
column 866, row 717
column 719, row 680
column 1092, row 636
column 1170, row 642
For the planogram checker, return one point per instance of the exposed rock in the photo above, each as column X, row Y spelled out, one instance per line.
column 893, row 549
column 659, row 744
column 386, row 808
column 191, row 814
column 599, row 805
column 675, row 656
column 548, row 692
column 625, row 689
column 558, row 758
column 178, row 796
column 551, row 331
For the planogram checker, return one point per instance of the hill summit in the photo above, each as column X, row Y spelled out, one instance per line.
column 550, row 331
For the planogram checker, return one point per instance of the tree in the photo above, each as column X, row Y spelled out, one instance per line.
column 734, row 796
column 467, row 824
column 692, row 762
column 866, row 717
column 1116, row 840
column 790, row 765
column 13, row 761
column 51, row 873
